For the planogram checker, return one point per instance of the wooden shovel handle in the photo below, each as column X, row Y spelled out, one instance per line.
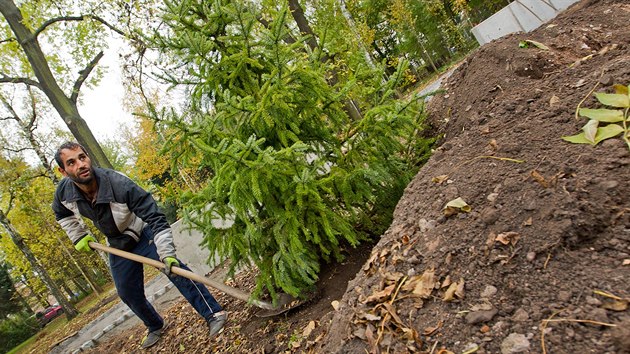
column 186, row 274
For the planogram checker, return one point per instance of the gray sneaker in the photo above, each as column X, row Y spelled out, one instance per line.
column 215, row 324
column 152, row 337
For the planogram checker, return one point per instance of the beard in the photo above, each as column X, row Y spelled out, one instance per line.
column 78, row 178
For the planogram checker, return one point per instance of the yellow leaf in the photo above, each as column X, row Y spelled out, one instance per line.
column 439, row 179
column 617, row 305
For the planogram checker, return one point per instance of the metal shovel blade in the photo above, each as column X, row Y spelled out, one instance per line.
column 285, row 303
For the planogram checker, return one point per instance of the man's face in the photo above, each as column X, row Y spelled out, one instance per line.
column 77, row 165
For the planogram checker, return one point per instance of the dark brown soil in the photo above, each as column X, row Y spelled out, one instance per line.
column 561, row 284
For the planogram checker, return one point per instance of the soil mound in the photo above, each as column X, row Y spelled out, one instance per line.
column 540, row 264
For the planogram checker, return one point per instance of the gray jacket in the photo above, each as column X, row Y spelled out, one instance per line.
column 121, row 211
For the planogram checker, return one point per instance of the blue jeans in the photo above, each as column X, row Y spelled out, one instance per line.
column 129, row 280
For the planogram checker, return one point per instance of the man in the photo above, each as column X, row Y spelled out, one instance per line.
column 131, row 220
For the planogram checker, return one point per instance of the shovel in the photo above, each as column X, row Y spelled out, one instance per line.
column 286, row 302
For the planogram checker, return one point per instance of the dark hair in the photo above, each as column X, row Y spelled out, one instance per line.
column 70, row 145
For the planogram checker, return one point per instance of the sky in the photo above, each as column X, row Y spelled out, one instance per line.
column 102, row 106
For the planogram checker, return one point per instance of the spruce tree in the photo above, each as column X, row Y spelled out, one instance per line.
column 294, row 175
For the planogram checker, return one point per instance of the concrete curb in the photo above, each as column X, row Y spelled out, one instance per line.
column 126, row 315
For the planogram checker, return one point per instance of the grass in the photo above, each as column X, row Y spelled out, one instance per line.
column 90, row 308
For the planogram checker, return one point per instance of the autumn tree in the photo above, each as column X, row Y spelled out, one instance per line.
column 9, row 298
column 14, row 176
column 23, row 60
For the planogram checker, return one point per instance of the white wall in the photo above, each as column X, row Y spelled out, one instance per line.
column 519, row 16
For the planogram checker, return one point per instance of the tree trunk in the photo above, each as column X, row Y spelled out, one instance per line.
column 66, row 108
column 68, row 308
column 298, row 15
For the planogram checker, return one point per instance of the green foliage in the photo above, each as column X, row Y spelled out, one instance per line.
column 16, row 329
column 606, row 123
column 9, row 302
column 294, row 178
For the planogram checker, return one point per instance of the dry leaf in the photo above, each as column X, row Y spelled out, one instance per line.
column 449, row 295
column 491, row 239
column 430, row 330
column 335, row 304
column 392, row 312
column 409, row 334
column 444, row 351
column 370, row 317
column 439, row 179
column 425, row 285
column 554, row 100
column 370, row 261
column 528, row 222
column 308, row 329
column 537, row 44
column 509, row 237
column 380, row 296
column 460, row 289
column 449, row 211
column 539, row 178
column 454, row 290
column 447, row 281
column 626, row 262
column 617, row 305
column 493, row 144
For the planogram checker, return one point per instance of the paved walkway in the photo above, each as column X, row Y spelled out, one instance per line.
column 160, row 292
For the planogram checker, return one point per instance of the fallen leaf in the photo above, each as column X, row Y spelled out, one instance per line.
column 454, row 290
column 430, row 330
column 439, row 179
column 410, row 334
column 509, row 237
column 447, row 281
column 617, row 305
column 537, row 44
column 392, row 312
column 379, row 296
column 539, row 178
column 335, row 304
column 449, row 295
column 493, row 144
column 370, row 317
column 528, row 222
column 455, row 206
column 425, row 285
column 308, row 329
column 626, row 262
column 460, row 289
column 484, row 329
column 444, row 351
column 370, row 261
column 554, row 100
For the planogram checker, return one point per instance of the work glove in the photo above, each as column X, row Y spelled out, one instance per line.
column 82, row 245
column 168, row 263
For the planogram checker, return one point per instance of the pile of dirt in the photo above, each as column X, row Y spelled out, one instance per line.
column 540, row 264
